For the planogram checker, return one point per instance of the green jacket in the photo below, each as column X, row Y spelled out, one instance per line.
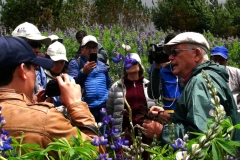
column 193, row 106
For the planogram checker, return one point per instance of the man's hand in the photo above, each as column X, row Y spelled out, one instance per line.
column 70, row 91
column 159, row 112
column 88, row 67
column 151, row 128
column 41, row 97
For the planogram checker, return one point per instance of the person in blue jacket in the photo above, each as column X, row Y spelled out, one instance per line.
column 93, row 78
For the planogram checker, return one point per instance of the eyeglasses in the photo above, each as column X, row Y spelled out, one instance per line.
column 35, row 44
column 175, row 52
column 91, row 47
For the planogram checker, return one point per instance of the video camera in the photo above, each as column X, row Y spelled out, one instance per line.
column 156, row 53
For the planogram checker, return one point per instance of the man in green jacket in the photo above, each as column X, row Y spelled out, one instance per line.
column 187, row 52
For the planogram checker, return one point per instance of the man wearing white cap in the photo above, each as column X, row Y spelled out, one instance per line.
column 186, row 53
column 32, row 35
column 93, row 77
column 57, row 53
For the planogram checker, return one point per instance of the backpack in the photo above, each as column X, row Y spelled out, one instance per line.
column 171, row 88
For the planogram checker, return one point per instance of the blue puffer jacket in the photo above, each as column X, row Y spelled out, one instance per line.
column 95, row 85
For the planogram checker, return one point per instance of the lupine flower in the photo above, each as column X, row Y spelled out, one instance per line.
column 104, row 157
column 179, row 144
column 103, row 111
column 180, row 155
column 107, row 119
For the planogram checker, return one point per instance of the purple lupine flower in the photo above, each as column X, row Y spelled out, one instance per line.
column 95, row 141
column 104, row 157
column 112, row 131
column 5, row 141
column 179, row 144
column 103, row 111
column 107, row 119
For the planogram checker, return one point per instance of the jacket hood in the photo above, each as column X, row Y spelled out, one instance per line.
column 210, row 65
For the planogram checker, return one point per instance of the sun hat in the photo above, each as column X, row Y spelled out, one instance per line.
column 57, row 51
column 14, row 51
column 53, row 37
column 221, row 51
column 87, row 39
column 136, row 57
column 30, row 32
column 188, row 38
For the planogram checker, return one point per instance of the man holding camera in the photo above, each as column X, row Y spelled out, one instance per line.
column 40, row 122
column 93, row 77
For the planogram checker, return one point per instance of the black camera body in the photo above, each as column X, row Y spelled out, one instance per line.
column 157, row 54
column 52, row 89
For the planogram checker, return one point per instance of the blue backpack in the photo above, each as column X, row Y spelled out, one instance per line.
column 171, row 88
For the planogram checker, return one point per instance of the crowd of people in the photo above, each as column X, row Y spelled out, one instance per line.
column 85, row 88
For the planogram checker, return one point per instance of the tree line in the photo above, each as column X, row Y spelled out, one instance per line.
column 179, row 15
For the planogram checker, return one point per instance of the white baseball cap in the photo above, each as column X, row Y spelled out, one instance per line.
column 30, row 32
column 137, row 58
column 188, row 38
column 53, row 37
column 87, row 39
column 57, row 51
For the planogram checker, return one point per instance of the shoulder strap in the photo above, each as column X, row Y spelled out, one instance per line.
column 79, row 62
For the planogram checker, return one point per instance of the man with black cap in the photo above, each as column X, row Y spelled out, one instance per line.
column 187, row 52
column 40, row 122
column 219, row 54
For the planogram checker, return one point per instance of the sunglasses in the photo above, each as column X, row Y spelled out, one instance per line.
column 35, row 44
column 175, row 52
column 91, row 47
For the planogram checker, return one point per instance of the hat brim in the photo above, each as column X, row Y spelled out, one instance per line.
column 219, row 54
column 40, row 39
column 59, row 57
column 43, row 62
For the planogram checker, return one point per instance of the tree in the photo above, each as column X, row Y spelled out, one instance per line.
column 41, row 13
column 190, row 15
column 127, row 13
column 233, row 7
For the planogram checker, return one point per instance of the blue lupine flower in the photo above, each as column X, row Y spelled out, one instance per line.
column 179, row 144
column 107, row 119
column 104, row 157
column 103, row 141
column 95, row 141
column 103, row 111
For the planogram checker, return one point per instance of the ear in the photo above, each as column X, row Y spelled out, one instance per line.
column 198, row 56
column 22, row 71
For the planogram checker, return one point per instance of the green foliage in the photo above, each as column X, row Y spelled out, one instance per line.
column 72, row 149
column 183, row 15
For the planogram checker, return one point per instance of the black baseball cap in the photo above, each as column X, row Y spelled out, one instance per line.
column 14, row 51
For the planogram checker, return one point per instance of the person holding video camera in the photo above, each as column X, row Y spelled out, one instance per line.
column 162, row 81
column 41, row 123
column 57, row 53
column 93, row 77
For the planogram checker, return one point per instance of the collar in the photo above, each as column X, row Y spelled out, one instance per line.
column 6, row 93
column 185, row 80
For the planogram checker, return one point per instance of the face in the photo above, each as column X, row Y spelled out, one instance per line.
column 183, row 60
column 58, row 67
column 88, row 48
column 219, row 59
column 36, row 47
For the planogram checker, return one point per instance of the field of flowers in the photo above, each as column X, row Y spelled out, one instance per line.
column 215, row 143
column 112, row 38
